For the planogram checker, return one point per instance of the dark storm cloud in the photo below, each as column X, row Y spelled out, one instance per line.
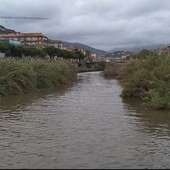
column 103, row 24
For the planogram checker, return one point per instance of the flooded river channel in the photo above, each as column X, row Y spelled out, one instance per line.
column 85, row 125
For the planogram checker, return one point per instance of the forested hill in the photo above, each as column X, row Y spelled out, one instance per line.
column 85, row 47
column 4, row 30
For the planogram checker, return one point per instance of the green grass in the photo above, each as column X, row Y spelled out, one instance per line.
column 21, row 76
column 147, row 79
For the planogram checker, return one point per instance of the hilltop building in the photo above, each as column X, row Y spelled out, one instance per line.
column 56, row 44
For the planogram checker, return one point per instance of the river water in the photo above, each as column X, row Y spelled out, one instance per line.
column 85, row 125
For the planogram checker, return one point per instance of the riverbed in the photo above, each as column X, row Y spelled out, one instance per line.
column 84, row 125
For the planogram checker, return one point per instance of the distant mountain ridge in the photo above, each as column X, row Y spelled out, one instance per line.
column 85, row 47
column 4, row 30
column 137, row 49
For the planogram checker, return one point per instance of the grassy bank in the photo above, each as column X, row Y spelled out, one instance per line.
column 19, row 76
column 147, row 79
column 114, row 70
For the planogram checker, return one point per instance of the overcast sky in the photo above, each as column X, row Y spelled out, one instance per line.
column 103, row 24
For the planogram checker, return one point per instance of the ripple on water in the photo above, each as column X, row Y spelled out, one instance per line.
column 85, row 126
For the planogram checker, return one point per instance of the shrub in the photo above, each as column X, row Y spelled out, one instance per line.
column 149, row 79
column 16, row 77
column 114, row 70
column 22, row 76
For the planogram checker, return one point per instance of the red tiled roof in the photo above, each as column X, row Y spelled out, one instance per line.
column 13, row 35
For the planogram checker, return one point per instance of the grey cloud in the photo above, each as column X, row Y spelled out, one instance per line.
column 103, row 24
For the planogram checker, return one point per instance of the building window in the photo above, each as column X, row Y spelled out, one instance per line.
column 34, row 38
column 22, row 39
column 28, row 38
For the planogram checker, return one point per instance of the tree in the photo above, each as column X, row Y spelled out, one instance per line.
column 51, row 51
column 144, row 53
column 4, row 47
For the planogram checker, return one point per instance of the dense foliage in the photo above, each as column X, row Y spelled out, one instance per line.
column 114, row 70
column 20, row 76
column 147, row 79
column 20, row 51
column 90, row 67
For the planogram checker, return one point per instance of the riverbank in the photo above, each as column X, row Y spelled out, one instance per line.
column 146, row 79
column 86, row 125
column 85, row 69
column 91, row 67
column 21, row 76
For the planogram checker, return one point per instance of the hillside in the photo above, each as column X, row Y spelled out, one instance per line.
column 4, row 30
column 85, row 47
column 137, row 49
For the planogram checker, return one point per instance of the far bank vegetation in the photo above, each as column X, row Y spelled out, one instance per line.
column 147, row 79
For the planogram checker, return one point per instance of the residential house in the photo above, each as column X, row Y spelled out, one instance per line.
column 93, row 57
column 56, row 44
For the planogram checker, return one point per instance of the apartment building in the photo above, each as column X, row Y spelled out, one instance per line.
column 37, row 40
column 56, row 44
column 16, row 43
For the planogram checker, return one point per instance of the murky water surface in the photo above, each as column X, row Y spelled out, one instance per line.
column 87, row 125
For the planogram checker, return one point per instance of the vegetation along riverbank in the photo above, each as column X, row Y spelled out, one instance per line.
column 22, row 76
column 147, row 79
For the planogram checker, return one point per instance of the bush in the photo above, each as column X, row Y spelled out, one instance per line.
column 16, row 77
column 149, row 79
column 21, row 76
column 114, row 70
column 53, row 73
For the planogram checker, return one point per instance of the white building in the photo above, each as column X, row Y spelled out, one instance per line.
column 2, row 55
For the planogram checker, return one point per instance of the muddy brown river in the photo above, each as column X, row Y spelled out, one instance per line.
column 85, row 125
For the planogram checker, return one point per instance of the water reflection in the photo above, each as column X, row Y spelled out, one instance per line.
column 11, row 106
column 154, row 121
